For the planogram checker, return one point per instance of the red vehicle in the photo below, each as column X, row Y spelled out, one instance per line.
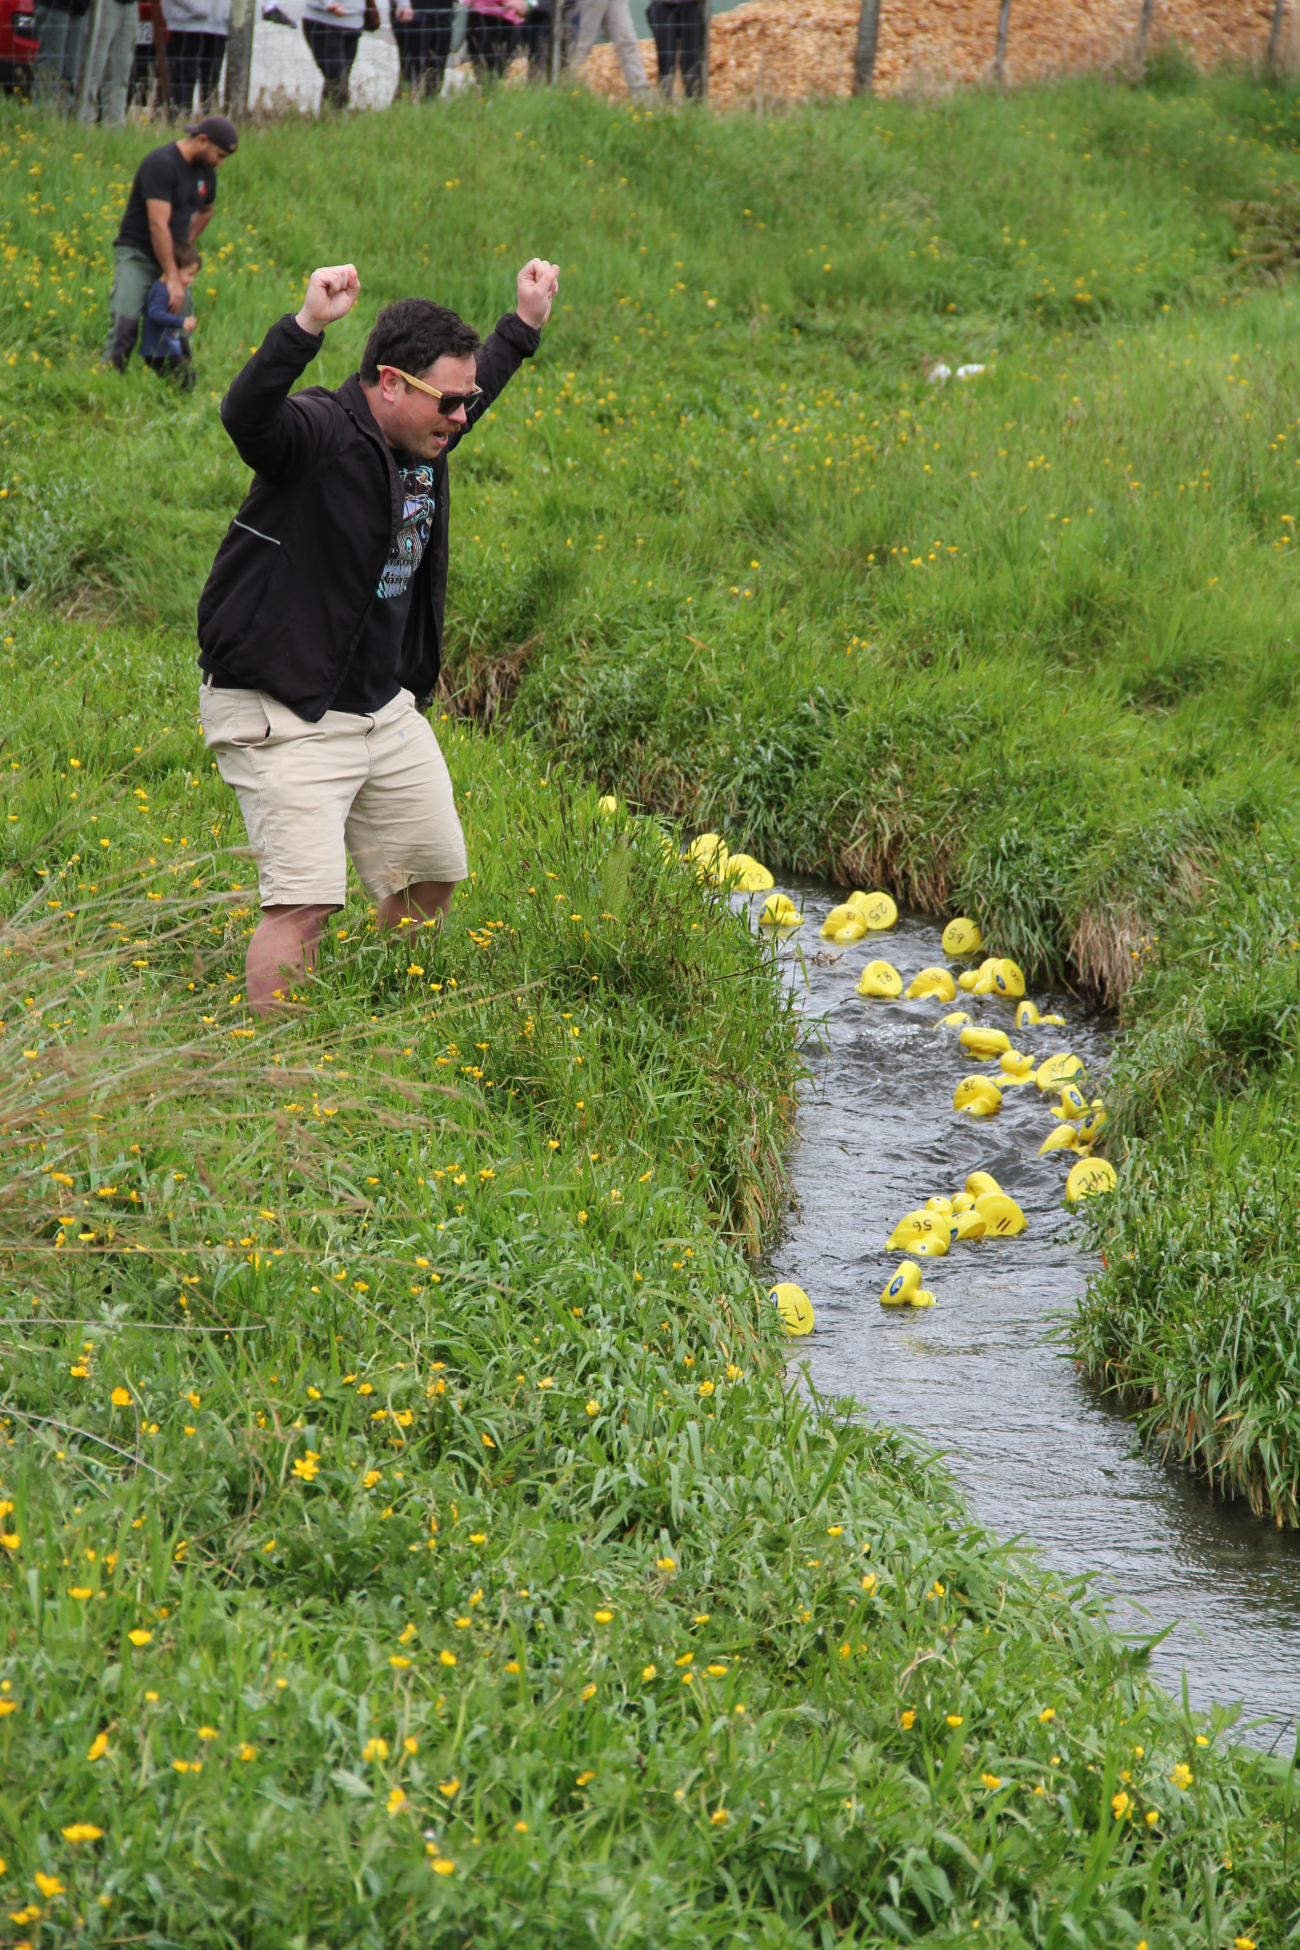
column 18, row 45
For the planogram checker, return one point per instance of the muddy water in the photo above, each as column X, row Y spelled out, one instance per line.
column 1039, row 1454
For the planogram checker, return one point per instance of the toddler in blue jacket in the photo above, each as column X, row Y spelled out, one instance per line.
column 165, row 341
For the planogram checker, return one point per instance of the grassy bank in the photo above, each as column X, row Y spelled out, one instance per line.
column 414, row 1535
column 409, row 1533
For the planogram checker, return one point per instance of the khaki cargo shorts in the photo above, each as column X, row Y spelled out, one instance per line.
column 376, row 788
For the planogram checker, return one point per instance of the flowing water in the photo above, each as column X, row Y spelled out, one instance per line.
column 1038, row 1452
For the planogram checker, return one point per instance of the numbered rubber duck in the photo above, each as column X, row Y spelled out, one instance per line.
column 779, row 911
column 932, row 981
column 837, row 918
column 880, row 978
column 851, row 931
column 1063, row 1138
column 914, row 1226
column 1092, row 1124
column 984, row 1043
column 876, row 910
column 795, row 1308
column 1002, row 1217
column 971, row 1225
column 1090, row 1175
column 1057, row 1069
column 747, row 875
column 1026, row 1015
column 1015, row 1065
column 962, row 937
column 1008, row 980
column 978, row 1097
column 934, row 1245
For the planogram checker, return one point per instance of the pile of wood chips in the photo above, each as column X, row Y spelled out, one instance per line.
column 780, row 50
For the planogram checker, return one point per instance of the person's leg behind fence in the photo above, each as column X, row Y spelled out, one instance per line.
column 690, row 30
column 212, row 58
column 118, row 58
column 660, row 17
column 618, row 25
column 182, row 70
column 591, row 18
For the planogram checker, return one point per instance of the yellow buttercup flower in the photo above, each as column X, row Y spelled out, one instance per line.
column 98, row 1747
column 140, row 1637
column 82, row 1831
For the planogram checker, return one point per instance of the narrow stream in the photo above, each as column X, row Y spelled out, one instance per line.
column 1039, row 1453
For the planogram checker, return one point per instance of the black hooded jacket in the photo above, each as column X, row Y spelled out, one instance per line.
column 283, row 608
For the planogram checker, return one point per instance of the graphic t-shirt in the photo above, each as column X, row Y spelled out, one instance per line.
column 371, row 679
column 165, row 176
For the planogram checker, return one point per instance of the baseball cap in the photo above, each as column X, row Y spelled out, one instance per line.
column 217, row 128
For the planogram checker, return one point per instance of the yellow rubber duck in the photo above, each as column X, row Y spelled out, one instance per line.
column 922, row 1298
column 1015, row 1065
column 934, row 1246
column 1073, row 1104
column 779, row 911
column 746, row 874
column 1063, row 1138
column 971, row 1225
column 906, row 1281
column 979, row 1096
column 1088, row 1176
column 1026, row 1015
column 795, row 1308
column 984, row 1042
column 877, row 910
column 1057, row 1069
column 1001, row 1215
column 964, row 1202
column 952, row 1021
column 837, row 918
column 962, row 937
column 913, row 1226
column 1009, row 980
column 880, row 978
column 850, row 932
column 709, row 853
column 932, row 981
column 980, row 1182
column 1058, row 1020
column 1092, row 1124
column 939, row 1204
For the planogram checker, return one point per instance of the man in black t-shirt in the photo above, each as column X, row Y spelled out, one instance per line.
column 170, row 203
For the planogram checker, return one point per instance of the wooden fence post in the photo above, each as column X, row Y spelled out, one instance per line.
column 239, row 57
column 1000, row 58
column 1144, row 30
column 1275, row 37
column 864, row 59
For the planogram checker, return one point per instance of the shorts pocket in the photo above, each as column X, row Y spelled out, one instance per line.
column 231, row 717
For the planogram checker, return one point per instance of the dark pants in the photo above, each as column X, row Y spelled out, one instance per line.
column 536, row 33
column 678, row 28
column 490, row 43
column 180, row 371
column 333, row 49
column 423, row 45
column 193, row 61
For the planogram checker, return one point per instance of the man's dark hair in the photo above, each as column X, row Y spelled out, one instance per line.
column 185, row 255
column 413, row 334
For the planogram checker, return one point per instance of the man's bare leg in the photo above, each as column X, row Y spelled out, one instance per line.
column 282, row 952
column 423, row 900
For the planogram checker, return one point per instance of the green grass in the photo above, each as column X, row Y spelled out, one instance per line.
column 414, row 1533
column 722, row 549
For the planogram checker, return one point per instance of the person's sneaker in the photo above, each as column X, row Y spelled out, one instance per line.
column 280, row 18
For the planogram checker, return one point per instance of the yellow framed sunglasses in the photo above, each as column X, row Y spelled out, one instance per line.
column 451, row 402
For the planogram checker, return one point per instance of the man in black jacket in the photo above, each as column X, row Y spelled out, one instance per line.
column 320, row 625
